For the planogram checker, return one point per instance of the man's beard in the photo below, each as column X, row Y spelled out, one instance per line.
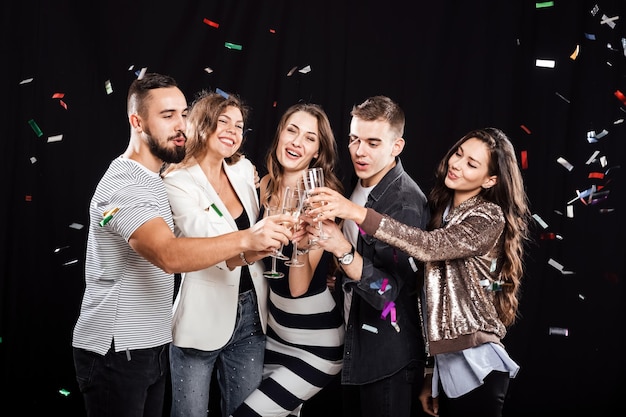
column 165, row 154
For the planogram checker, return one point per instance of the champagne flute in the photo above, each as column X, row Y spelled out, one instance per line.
column 293, row 206
column 314, row 177
column 273, row 272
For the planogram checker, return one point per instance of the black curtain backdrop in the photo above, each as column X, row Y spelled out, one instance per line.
column 452, row 65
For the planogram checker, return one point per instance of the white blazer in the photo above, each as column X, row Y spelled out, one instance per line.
column 205, row 308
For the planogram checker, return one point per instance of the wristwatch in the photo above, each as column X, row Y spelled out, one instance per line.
column 346, row 258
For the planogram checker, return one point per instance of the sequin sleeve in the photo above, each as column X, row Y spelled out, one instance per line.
column 468, row 232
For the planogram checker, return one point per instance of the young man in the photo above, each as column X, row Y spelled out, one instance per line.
column 384, row 348
column 122, row 335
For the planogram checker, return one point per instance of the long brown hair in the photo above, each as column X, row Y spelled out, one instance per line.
column 509, row 193
column 327, row 154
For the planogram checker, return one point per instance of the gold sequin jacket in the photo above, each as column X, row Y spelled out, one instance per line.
column 459, row 311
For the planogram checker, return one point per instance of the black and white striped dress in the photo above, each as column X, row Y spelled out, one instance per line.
column 304, row 348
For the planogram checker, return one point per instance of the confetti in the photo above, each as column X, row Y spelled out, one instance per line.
column 610, row 21
column 33, row 159
column 222, row 93
column 208, row 70
column 56, row 138
column 620, row 96
column 291, row 71
column 211, row 23
column 590, row 36
column 539, row 220
column 59, row 249
column 26, row 81
column 558, row 267
column 72, row 262
column 544, row 4
column 305, row 70
column 574, row 54
column 141, row 73
column 412, row 263
column 564, row 163
column 524, row 158
column 35, row 128
column 230, row 45
column 58, row 95
column 369, row 328
column 76, row 226
column 108, row 87
column 558, row 331
column 562, row 98
column 569, row 212
column 273, row 31
column 545, row 63
column 525, row 129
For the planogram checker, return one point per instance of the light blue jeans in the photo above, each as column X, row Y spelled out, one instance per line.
column 239, row 366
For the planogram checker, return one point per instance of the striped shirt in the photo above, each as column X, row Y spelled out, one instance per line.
column 126, row 297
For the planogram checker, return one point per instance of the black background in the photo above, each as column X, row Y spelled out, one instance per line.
column 452, row 65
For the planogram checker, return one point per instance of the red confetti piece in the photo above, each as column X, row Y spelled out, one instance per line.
column 547, row 236
column 525, row 129
column 28, row 198
column 58, row 95
column 620, row 96
column 274, row 104
column 524, row 158
column 598, row 175
column 211, row 23
column 272, row 30
column 62, row 103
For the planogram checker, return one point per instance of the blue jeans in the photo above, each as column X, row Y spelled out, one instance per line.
column 115, row 386
column 239, row 366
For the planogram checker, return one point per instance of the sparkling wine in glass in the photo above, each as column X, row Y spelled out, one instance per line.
column 294, row 200
column 314, row 177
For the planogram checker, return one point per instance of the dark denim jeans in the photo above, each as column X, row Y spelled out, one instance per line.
column 388, row 397
column 115, row 386
column 239, row 366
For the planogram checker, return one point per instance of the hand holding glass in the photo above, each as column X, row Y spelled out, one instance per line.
column 314, row 177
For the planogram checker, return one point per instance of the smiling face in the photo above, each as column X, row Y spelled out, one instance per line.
column 298, row 142
column 228, row 134
column 468, row 170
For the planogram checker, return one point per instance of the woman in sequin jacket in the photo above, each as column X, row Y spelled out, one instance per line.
column 473, row 252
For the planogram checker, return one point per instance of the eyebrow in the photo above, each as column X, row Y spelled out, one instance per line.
column 306, row 131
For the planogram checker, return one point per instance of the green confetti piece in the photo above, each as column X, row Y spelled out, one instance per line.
column 544, row 4
column 104, row 221
column 216, row 209
column 34, row 126
column 64, row 392
column 233, row 46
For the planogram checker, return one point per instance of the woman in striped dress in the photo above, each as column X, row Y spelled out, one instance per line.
column 304, row 346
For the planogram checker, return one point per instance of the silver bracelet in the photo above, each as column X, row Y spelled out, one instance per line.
column 245, row 261
column 300, row 252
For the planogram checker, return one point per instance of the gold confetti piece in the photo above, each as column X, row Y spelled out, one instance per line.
column 56, row 138
column 574, row 54
column 564, row 163
column 291, row 71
